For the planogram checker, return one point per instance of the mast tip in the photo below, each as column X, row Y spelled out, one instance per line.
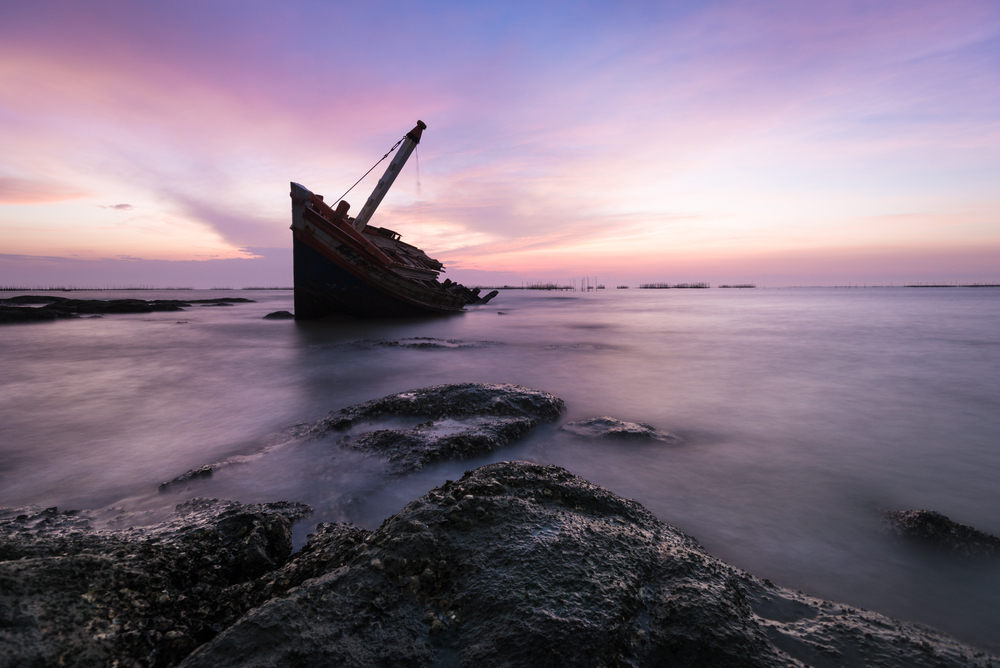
column 414, row 134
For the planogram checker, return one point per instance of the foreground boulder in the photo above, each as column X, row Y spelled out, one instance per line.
column 463, row 420
column 518, row 564
column 73, row 596
column 935, row 530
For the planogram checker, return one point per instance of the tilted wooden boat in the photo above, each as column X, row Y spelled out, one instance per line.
column 344, row 266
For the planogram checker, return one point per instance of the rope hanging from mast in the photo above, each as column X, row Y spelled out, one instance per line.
column 373, row 167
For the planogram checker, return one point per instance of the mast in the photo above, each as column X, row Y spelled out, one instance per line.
column 392, row 171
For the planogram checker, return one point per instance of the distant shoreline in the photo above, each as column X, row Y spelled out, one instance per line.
column 134, row 288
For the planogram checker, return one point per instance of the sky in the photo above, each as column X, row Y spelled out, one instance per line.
column 778, row 143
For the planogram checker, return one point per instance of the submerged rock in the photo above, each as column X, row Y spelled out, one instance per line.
column 467, row 419
column 73, row 596
column 194, row 474
column 518, row 564
column 417, row 342
column 279, row 315
column 936, row 530
column 614, row 429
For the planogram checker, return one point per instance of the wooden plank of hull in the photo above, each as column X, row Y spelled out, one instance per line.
column 337, row 281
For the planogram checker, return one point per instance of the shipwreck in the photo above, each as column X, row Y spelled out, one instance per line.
column 344, row 266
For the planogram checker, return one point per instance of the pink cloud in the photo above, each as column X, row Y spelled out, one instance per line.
column 32, row 191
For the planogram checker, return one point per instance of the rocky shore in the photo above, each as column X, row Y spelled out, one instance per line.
column 71, row 595
column 515, row 564
column 22, row 309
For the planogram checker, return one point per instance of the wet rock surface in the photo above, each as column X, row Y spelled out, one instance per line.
column 466, row 419
column 614, row 429
column 937, row 531
column 413, row 342
column 74, row 596
column 194, row 474
column 18, row 314
column 21, row 309
column 453, row 400
column 518, row 564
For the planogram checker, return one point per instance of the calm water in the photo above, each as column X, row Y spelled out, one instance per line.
column 804, row 411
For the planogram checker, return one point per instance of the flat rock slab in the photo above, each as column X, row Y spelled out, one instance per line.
column 64, row 307
column 19, row 314
column 616, row 430
column 453, row 400
column 418, row 342
column 518, row 564
column 74, row 596
column 466, row 419
column 934, row 529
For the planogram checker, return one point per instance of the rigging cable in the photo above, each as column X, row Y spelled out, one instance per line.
column 373, row 167
column 420, row 208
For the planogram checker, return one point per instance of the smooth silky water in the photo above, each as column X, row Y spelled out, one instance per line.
column 803, row 411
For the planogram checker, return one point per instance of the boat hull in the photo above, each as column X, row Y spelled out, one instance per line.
column 336, row 281
column 342, row 268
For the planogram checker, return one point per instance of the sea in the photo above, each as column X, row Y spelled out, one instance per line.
column 803, row 412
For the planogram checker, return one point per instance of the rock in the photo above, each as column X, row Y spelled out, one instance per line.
column 418, row 342
column 279, row 315
column 412, row 449
column 455, row 400
column 224, row 300
column 614, row 429
column 194, row 474
column 74, row 596
column 101, row 306
column 32, row 299
column 518, row 564
column 63, row 307
column 936, row 530
column 18, row 314
column 466, row 419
